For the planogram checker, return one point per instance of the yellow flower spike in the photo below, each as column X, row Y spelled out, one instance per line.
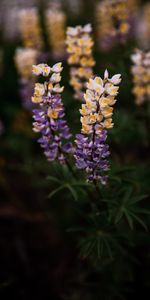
column 79, row 47
column 141, row 75
column 29, row 27
column 108, row 14
column 56, row 22
column 97, row 110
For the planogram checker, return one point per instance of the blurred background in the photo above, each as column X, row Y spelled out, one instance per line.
column 39, row 255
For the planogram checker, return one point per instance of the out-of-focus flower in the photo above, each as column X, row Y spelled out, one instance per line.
column 141, row 76
column 49, row 117
column 79, row 47
column 24, row 59
column 143, row 27
column 96, row 117
column 114, row 21
column 30, row 29
column 55, row 20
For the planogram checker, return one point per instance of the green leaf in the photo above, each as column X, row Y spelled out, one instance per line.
column 54, row 179
column 140, row 221
column 72, row 191
column 129, row 219
column 137, row 199
column 56, row 191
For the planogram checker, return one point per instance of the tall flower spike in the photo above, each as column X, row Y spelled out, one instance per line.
column 49, row 117
column 55, row 23
column 30, row 29
column 141, row 76
column 143, row 27
column 114, row 19
column 24, row 59
column 96, row 117
column 79, row 47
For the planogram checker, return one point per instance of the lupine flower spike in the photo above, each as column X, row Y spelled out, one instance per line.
column 143, row 27
column 96, row 117
column 79, row 47
column 114, row 19
column 30, row 29
column 49, row 117
column 55, row 23
column 141, row 76
column 24, row 59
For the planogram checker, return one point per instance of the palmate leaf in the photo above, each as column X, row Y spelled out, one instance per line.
column 75, row 187
column 99, row 245
column 138, row 220
column 126, row 206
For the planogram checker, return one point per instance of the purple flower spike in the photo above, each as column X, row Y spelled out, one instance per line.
column 91, row 154
column 48, row 118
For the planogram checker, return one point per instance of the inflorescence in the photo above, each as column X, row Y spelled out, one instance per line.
column 79, row 47
column 96, row 117
column 30, row 29
column 55, row 20
column 114, row 19
column 141, row 76
column 24, row 59
column 49, row 117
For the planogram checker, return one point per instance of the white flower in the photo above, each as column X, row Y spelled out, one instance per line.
column 73, row 31
column 57, row 68
column 55, row 77
column 36, row 70
column 137, row 58
column 111, row 89
column 45, row 69
column 106, row 74
column 39, row 89
column 87, row 28
column 58, row 89
column 96, row 84
column 115, row 79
